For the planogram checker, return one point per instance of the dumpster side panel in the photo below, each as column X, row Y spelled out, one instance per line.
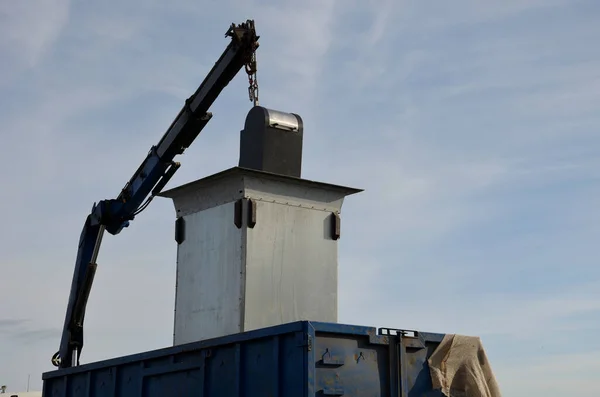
column 301, row 359
column 356, row 361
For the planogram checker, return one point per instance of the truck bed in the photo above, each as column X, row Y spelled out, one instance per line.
column 291, row 360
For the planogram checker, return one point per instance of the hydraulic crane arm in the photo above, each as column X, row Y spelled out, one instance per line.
column 150, row 178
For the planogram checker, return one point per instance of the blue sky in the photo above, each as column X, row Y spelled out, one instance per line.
column 472, row 126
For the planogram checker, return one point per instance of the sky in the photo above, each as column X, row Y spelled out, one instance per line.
column 473, row 127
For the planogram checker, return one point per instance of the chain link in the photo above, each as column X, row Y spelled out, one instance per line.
column 252, row 79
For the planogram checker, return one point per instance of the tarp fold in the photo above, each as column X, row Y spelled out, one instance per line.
column 459, row 368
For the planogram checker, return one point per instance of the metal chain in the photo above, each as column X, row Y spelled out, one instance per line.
column 252, row 79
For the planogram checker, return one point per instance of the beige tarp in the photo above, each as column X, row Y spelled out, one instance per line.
column 460, row 368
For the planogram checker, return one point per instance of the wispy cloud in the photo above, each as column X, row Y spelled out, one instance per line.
column 8, row 323
column 28, row 33
column 24, row 331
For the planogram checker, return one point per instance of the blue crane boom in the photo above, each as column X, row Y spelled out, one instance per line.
column 113, row 215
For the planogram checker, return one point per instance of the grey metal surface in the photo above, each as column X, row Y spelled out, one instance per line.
column 291, row 267
column 237, row 182
column 209, row 277
column 283, row 269
column 282, row 120
column 272, row 141
column 206, row 193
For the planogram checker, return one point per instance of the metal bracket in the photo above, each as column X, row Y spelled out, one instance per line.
column 397, row 331
column 410, row 339
column 237, row 213
column 251, row 213
column 180, row 230
column 329, row 359
column 335, row 226
column 304, row 340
